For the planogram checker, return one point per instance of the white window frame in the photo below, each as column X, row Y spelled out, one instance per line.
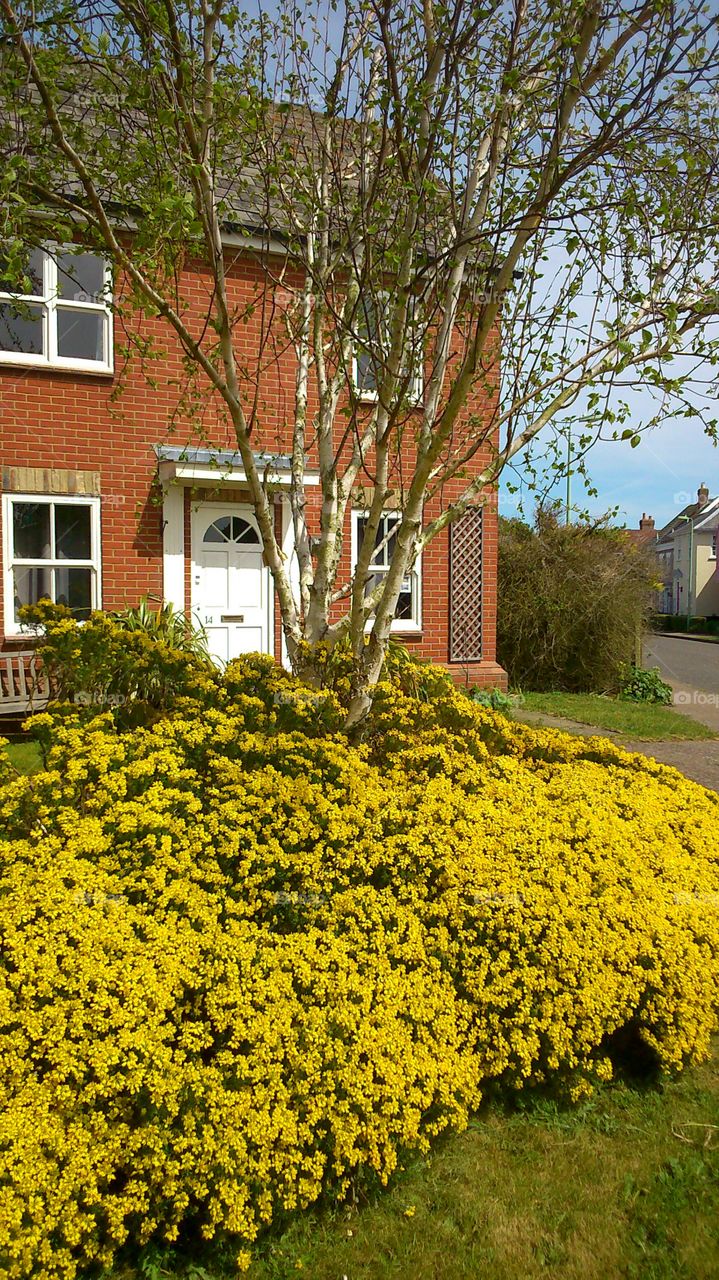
column 406, row 626
column 415, row 390
column 51, row 301
column 13, row 628
column 713, row 546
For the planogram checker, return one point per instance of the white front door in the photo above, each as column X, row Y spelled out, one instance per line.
column 230, row 584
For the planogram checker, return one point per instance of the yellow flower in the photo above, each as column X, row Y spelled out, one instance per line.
column 242, row 959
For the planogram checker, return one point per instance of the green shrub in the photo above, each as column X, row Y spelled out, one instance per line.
column 131, row 662
column 244, row 965
column 680, row 622
column 669, row 622
column 640, row 685
column 704, row 626
column 571, row 602
column 495, row 699
column 165, row 624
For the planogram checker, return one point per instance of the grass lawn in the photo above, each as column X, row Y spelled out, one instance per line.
column 646, row 720
column 626, row 1185
column 25, row 756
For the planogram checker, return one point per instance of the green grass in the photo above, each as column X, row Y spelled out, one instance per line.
column 644, row 720
column 607, row 1190
column 25, row 756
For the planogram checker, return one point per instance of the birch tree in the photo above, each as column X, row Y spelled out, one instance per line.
column 415, row 179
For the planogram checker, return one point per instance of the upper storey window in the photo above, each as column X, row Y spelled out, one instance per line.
column 61, row 319
column 372, row 349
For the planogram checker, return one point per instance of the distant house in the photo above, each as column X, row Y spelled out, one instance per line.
column 645, row 534
column 686, row 551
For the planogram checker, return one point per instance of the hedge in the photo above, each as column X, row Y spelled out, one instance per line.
column 245, row 964
column 572, row 601
column 680, row 622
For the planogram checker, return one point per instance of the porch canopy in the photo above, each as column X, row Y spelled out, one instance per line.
column 190, row 465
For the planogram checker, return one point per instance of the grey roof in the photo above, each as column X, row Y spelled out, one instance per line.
column 258, row 197
column 702, row 515
column 251, row 197
column 224, row 459
column 710, row 516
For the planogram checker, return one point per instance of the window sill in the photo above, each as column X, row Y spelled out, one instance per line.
column 16, row 634
column 44, row 366
column 371, row 397
column 20, row 639
column 409, row 629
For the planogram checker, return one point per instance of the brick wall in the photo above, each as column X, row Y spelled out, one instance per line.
column 105, row 426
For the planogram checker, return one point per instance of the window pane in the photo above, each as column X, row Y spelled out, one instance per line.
column 72, row 532
column 404, row 602
column 73, row 587
column 31, row 585
column 243, row 532
column 33, row 271
column 373, row 581
column 31, row 530
column 385, row 552
column 80, row 335
column 219, row 530
column 372, row 345
column 81, row 277
column 21, row 328
column 365, row 373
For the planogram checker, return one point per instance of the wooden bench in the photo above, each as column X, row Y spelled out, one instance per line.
column 24, row 687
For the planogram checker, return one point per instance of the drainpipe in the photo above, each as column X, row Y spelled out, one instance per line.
column 692, row 572
column 691, row 576
column 568, row 497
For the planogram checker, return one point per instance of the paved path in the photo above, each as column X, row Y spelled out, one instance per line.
column 692, row 669
column 696, row 760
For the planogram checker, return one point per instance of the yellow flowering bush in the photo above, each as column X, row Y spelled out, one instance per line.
column 244, row 963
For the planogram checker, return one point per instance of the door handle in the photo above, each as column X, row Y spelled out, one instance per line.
column 232, row 617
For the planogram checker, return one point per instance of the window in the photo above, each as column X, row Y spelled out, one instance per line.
column 62, row 319
column 713, row 552
column 52, row 551
column 232, row 529
column 366, row 364
column 408, row 614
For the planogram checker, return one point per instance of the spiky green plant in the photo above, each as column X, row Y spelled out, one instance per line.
column 166, row 623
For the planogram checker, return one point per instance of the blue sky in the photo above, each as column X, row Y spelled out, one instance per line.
column 660, row 476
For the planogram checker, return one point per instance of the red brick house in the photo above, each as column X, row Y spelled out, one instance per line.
column 109, row 494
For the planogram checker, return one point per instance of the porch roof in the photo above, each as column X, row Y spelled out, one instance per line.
column 190, row 465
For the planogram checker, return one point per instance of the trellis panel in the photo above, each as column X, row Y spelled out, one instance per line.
column 465, row 587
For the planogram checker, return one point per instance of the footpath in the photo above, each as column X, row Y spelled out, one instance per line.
column 698, row 760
